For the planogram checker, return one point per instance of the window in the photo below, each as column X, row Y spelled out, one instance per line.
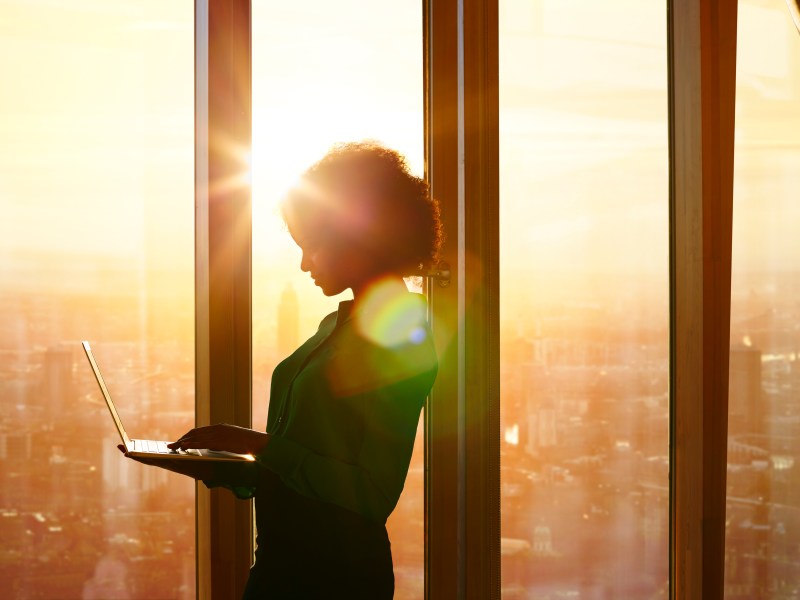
column 96, row 181
column 325, row 73
column 762, row 521
column 95, row 243
column 584, row 305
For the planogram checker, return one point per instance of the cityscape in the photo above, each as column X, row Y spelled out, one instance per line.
column 585, row 425
column 96, row 242
column 65, row 490
column 585, row 418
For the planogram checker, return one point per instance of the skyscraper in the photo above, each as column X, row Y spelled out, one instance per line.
column 745, row 410
column 288, row 322
column 58, row 382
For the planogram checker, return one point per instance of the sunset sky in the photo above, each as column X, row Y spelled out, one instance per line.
column 96, row 125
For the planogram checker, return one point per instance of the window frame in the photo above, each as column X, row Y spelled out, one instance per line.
column 702, row 86
column 462, row 428
column 223, row 240
column 462, row 417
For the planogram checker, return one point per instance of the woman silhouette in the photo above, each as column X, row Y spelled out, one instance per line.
column 344, row 407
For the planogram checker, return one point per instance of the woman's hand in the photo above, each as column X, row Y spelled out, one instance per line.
column 190, row 468
column 222, row 436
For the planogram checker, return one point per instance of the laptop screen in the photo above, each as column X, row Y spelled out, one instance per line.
column 125, row 439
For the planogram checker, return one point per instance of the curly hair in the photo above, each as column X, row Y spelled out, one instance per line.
column 363, row 193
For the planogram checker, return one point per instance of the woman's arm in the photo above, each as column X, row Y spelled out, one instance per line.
column 240, row 478
column 229, row 438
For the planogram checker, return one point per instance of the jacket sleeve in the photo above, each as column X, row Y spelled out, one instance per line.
column 239, row 478
column 372, row 484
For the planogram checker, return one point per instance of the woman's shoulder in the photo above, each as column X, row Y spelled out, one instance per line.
column 384, row 345
column 328, row 321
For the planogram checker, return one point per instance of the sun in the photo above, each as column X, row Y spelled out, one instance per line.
column 290, row 134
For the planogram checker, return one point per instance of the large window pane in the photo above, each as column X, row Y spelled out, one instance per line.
column 96, row 242
column 762, row 541
column 327, row 72
column 584, row 299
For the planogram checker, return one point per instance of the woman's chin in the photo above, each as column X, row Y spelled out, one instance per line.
column 325, row 289
column 330, row 291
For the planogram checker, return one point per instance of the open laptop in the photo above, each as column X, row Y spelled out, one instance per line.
column 151, row 449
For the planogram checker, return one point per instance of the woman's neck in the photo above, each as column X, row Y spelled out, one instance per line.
column 385, row 284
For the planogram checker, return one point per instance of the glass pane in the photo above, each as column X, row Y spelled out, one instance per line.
column 762, row 541
column 324, row 73
column 96, row 242
column 584, row 302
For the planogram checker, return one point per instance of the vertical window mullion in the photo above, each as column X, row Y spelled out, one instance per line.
column 462, row 417
column 482, row 297
column 702, row 57
column 223, row 275
column 442, row 434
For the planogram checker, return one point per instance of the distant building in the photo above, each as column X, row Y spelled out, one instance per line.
column 541, row 427
column 543, row 541
column 58, row 381
column 119, row 473
column 288, row 322
column 745, row 402
column 540, row 410
column 15, row 446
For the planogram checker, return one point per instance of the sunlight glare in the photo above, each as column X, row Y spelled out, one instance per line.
column 388, row 318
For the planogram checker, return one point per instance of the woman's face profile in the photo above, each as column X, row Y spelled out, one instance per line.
column 334, row 264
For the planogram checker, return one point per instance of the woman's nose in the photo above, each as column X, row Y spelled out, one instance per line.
column 305, row 262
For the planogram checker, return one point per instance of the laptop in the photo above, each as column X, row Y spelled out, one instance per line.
column 150, row 449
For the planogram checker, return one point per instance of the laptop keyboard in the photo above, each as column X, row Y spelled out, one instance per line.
column 153, row 447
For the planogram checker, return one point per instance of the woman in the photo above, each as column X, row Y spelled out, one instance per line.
column 344, row 407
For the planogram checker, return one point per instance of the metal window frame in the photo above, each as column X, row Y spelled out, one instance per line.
column 223, row 237
column 462, row 417
column 702, row 87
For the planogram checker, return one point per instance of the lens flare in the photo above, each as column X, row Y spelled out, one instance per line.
column 389, row 316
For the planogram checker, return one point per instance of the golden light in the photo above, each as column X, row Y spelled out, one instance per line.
column 242, row 156
column 281, row 153
column 390, row 317
column 512, row 435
